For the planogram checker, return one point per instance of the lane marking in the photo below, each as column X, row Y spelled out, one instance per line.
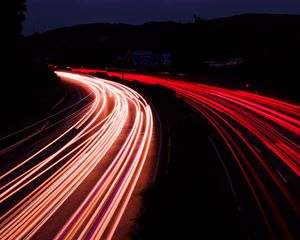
column 256, row 148
column 160, row 143
column 59, row 102
column 282, row 177
column 227, row 175
column 17, row 144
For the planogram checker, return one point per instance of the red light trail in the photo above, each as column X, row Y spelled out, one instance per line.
column 106, row 142
column 253, row 127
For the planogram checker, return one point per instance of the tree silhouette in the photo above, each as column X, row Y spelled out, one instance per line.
column 199, row 20
column 31, row 87
column 15, row 17
column 12, row 44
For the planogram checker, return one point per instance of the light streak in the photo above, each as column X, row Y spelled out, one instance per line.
column 107, row 140
column 245, row 120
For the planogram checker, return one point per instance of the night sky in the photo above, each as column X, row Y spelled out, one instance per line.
column 47, row 14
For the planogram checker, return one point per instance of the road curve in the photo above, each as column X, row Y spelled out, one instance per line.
column 263, row 137
column 80, row 169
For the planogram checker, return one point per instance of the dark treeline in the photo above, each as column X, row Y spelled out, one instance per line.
column 11, row 40
column 26, row 85
column 15, row 15
column 269, row 45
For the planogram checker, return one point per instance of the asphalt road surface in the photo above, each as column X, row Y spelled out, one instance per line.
column 71, row 175
column 262, row 136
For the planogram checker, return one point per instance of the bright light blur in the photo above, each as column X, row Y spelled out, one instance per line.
column 245, row 121
column 111, row 133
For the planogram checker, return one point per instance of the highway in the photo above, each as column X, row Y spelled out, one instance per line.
column 72, row 174
column 262, row 137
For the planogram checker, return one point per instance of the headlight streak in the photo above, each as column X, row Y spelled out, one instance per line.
column 243, row 116
column 113, row 134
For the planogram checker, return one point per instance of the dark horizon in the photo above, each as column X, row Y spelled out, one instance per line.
column 46, row 15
